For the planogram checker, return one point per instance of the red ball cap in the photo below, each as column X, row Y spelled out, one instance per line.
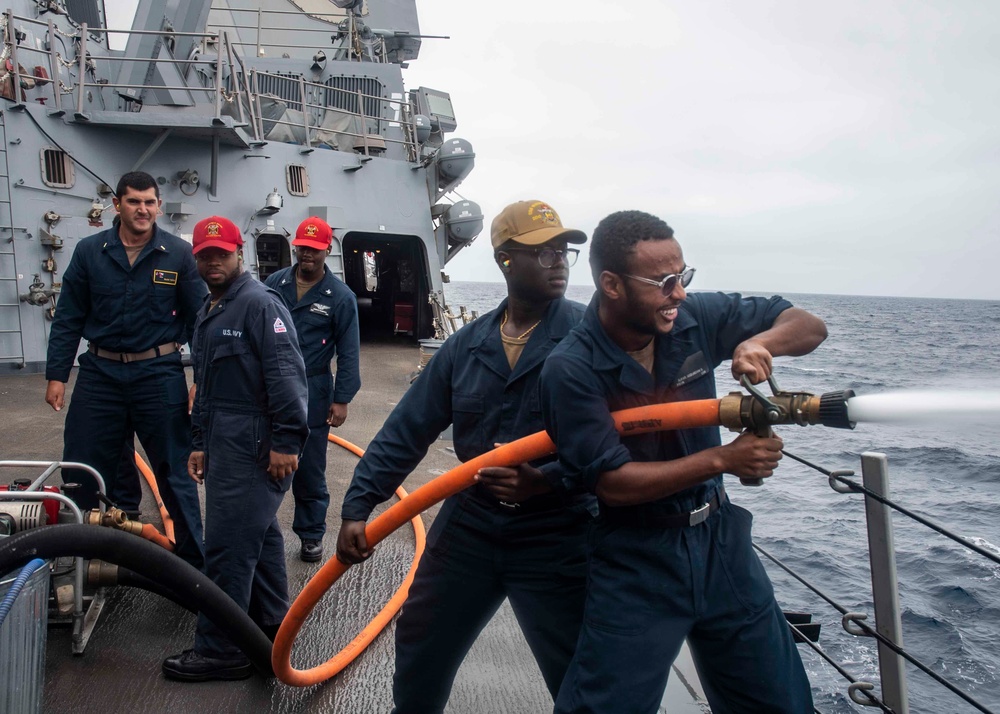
column 315, row 233
column 216, row 232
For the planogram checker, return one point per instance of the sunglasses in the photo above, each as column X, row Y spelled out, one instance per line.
column 547, row 257
column 669, row 282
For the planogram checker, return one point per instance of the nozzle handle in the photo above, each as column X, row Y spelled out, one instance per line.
column 772, row 410
column 764, row 433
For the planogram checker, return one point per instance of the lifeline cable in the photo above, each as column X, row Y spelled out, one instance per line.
column 656, row 417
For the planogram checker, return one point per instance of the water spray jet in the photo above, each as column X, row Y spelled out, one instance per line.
column 925, row 406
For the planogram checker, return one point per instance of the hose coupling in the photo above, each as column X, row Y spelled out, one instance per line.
column 113, row 518
column 101, row 573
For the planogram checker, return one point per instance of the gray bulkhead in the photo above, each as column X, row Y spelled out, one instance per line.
column 307, row 115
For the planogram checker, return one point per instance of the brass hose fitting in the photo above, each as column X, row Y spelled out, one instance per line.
column 738, row 411
column 113, row 518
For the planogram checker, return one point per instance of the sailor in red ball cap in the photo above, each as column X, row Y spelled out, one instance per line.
column 248, row 429
column 325, row 312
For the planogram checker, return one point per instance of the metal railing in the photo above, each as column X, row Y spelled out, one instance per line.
column 233, row 84
column 887, row 629
column 350, row 42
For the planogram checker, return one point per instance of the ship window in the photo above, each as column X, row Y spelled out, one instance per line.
column 57, row 169
column 297, row 180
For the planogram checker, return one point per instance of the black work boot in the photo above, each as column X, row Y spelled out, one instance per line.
column 189, row 666
column 311, row 551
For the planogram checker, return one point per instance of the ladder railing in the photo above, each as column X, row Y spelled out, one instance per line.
column 11, row 350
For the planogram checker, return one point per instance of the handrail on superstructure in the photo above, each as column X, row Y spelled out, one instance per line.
column 408, row 136
column 225, row 57
column 352, row 47
column 241, row 89
column 885, row 592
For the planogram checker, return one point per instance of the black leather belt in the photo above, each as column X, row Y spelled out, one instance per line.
column 316, row 371
column 645, row 516
column 543, row 502
column 127, row 357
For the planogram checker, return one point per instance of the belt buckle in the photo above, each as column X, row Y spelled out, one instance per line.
column 509, row 504
column 699, row 515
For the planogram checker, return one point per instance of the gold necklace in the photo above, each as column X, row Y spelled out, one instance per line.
column 304, row 284
column 526, row 332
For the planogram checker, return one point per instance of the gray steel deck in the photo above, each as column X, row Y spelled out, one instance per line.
column 120, row 670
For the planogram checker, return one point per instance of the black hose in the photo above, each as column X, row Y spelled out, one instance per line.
column 149, row 560
column 131, row 579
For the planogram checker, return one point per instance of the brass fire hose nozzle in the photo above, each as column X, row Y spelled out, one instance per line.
column 738, row 411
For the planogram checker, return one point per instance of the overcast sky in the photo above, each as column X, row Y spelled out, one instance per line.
column 849, row 147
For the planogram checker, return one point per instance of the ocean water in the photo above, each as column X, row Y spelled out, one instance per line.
column 946, row 469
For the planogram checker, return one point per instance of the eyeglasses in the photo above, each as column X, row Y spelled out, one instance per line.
column 547, row 257
column 669, row 282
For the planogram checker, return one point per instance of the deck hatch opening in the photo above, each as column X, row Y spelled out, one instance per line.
column 273, row 253
column 57, row 169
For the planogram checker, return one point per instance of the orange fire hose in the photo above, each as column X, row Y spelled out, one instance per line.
column 149, row 532
column 147, row 473
column 379, row 622
column 655, row 417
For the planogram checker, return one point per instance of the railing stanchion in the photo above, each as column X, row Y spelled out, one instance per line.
column 305, row 111
column 259, row 13
column 15, row 82
column 885, row 590
column 217, row 120
column 81, row 71
column 54, row 68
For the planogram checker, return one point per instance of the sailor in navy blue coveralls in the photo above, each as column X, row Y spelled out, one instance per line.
column 134, row 314
column 249, row 410
column 326, row 320
column 676, row 561
column 483, row 548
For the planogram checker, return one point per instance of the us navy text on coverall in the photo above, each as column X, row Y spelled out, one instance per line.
column 251, row 399
column 651, row 586
column 130, row 309
column 326, row 320
column 478, row 551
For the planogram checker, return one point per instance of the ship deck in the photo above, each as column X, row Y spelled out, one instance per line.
column 120, row 669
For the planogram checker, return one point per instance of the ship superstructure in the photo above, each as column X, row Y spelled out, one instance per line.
column 265, row 112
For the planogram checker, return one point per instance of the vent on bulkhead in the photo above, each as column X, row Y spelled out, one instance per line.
column 57, row 168
column 344, row 93
column 297, row 180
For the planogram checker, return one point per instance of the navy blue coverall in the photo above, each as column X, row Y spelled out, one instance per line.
column 326, row 320
column 479, row 551
column 650, row 586
column 129, row 309
column 251, row 399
